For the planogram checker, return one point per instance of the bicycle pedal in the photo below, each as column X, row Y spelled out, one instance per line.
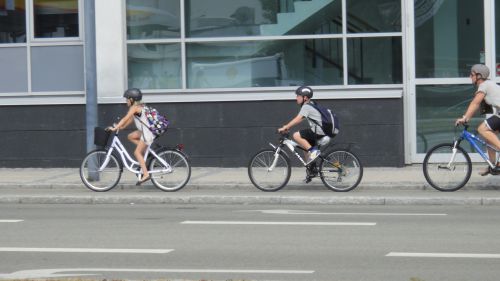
column 495, row 171
column 308, row 180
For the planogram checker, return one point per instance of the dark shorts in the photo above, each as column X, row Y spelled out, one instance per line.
column 310, row 136
column 493, row 123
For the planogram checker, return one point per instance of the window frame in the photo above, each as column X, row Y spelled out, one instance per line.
column 344, row 35
column 31, row 22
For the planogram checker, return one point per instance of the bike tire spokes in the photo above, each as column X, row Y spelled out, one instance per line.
column 446, row 172
column 174, row 175
column 341, row 171
column 265, row 178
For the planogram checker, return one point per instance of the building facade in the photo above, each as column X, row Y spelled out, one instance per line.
column 224, row 72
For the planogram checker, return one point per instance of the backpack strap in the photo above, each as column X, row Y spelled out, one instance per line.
column 314, row 105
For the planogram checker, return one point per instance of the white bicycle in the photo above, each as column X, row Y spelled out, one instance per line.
column 102, row 168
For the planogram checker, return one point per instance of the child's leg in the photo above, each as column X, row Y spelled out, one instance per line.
column 134, row 137
column 301, row 141
column 139, row 155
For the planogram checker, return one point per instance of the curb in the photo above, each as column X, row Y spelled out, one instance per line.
column 249, row 200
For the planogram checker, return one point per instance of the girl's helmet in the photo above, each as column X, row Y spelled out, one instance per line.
column 133, row 93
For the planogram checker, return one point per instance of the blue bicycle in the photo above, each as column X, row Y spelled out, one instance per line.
column 447, row 166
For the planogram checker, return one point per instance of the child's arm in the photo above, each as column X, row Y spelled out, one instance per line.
column 125, row 121
column 293, row 122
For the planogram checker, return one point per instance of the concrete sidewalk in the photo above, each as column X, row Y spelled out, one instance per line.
column 379, row 186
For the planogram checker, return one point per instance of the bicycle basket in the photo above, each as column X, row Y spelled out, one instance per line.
column 101, row 136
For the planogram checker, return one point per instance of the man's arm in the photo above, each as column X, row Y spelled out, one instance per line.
column 473, row 107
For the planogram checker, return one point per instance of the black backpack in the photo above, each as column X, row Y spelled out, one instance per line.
column 329, row 121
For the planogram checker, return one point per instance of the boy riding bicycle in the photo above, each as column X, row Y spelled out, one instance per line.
column 487, row 92
column 306, row 138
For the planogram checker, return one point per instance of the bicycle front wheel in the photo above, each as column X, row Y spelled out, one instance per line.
column 445, row 172
column 341, row 171
column 267, row 179
column 99, row 173
column 171, row 171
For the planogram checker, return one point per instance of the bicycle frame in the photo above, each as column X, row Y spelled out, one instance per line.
column 291, row 145
column 127, row 161
column 474, row 140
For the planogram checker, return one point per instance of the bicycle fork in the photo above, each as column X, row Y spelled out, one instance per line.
column 453, row 155
column 275, row 160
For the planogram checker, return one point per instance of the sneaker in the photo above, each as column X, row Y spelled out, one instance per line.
column 313, row 154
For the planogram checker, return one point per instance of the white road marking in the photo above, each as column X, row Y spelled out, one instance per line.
column 443, row 255
column 11, row 221
column 299, row 212
column 86, row 250
column 282, row 223
column 52, row 273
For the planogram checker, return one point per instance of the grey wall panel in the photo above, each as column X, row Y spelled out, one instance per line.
column 57, row 68
column 222, row 134
column 13, row 70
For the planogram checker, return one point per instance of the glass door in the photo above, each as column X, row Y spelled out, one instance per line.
column 448, row 38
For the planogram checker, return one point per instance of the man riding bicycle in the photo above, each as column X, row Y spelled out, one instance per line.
column 306, row 138
column 487, row 92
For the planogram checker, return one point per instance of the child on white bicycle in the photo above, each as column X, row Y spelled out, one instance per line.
column 306, row 138
column 142, row 137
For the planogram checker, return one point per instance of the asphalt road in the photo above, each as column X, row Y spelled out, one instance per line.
column 249, row 242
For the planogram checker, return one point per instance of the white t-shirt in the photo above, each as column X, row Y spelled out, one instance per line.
column 492, row 92
column 140, row 122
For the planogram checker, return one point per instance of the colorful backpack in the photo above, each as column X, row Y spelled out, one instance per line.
column 157, row 123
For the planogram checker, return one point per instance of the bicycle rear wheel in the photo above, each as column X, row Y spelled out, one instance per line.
column 341, row 171
column 444, row 173
column 265, row 179
column 173, row 176
column 104, row 179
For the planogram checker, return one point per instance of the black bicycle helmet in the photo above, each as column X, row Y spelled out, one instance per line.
column 133, row 93
column 304, row 91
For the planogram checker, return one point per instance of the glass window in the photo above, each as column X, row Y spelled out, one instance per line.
column 65, row 65
column 438, row 106
column 223, row 18
column 265, row 63
column 497, row 37
column 12, row 21
column 449, row 37
column 151, row 19
column 154, row 66
column 375, row 60
column 55, row 18
column 373, row 16
column 13, row 78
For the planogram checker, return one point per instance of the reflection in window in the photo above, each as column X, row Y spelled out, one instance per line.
column 154, row 66
column 55, row 18
column 375, row 60
column 438, row 106
column 444, row 47
column 152, row 19
column 373, row 16
column 497, row 37
column 222, row 18
column 265, row 63
column 12, row 21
